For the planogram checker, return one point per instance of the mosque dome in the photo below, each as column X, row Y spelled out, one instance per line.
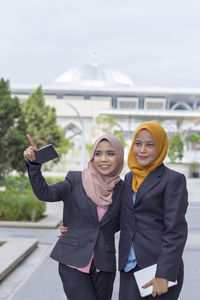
column 93, row 76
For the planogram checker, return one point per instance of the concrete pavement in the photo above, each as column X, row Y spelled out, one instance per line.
column 10, row 259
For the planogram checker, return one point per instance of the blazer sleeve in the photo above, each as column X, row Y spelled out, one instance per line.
column 175, row 234
column 43, row 191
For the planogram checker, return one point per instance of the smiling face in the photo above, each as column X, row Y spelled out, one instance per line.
column 105, row 160
column 144, row 149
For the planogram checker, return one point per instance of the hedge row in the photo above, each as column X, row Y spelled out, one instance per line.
column 22, row 183
column 20, row 206
column 18, row 203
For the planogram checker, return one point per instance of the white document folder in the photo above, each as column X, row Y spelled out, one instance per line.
column 145, row 275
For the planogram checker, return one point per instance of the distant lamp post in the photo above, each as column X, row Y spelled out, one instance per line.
column 83, row 144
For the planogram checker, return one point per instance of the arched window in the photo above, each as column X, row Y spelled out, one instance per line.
column 71, row 130
column 181, row 106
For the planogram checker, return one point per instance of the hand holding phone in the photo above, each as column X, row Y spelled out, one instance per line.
column 40, row 156
column 45, row 154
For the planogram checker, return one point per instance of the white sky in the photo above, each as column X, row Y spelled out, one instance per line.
column 155, row 42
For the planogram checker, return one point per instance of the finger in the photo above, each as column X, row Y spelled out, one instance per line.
column 147, row 284
column 153, row 294
column 31, row 141
column 63, row 229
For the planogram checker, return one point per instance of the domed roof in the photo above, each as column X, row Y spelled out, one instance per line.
column 93, row 76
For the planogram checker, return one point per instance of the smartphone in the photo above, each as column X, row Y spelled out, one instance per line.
column 45, row 154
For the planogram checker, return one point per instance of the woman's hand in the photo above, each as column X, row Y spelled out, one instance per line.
column 62, row 229
column 29, row 153
column 160, row 286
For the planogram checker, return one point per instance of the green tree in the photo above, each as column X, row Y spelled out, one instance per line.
column 10, row 131
column 194, row 139
column 175, row 150
column 42, row 124
column 106, row 124
column 17, row 142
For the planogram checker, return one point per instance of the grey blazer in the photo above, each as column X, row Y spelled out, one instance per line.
column 156, row 224
column 85, row 233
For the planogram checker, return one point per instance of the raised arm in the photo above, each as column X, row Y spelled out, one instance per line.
column 43, row 191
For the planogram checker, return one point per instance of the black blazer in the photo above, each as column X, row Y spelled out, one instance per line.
column 85, row 233
column 156, row 224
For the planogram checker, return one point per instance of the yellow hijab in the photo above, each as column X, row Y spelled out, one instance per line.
column 161, row 141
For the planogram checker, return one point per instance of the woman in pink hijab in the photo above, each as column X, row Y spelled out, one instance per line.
column 86, row 251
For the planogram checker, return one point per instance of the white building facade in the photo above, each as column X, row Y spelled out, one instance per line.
column 82, row 94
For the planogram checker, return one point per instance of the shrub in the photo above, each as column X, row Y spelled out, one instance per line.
column 18, row 203
column 18, row 206
column 176, row 147
column 22, row 183
column 17, row 182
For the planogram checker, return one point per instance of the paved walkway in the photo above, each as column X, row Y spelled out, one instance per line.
column 37, row 278
column 10, row 259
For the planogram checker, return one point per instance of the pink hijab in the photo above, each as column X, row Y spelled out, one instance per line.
column 98, row 187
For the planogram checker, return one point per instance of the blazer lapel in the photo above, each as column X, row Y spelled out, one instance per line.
column 93, row 209
column 129, row 191
column 113, row 206
column 150, row 181
column 111, row 209
column 90, row 207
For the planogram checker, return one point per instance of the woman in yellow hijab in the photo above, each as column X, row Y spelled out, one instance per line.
column 155, row 137
column 152, row 222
